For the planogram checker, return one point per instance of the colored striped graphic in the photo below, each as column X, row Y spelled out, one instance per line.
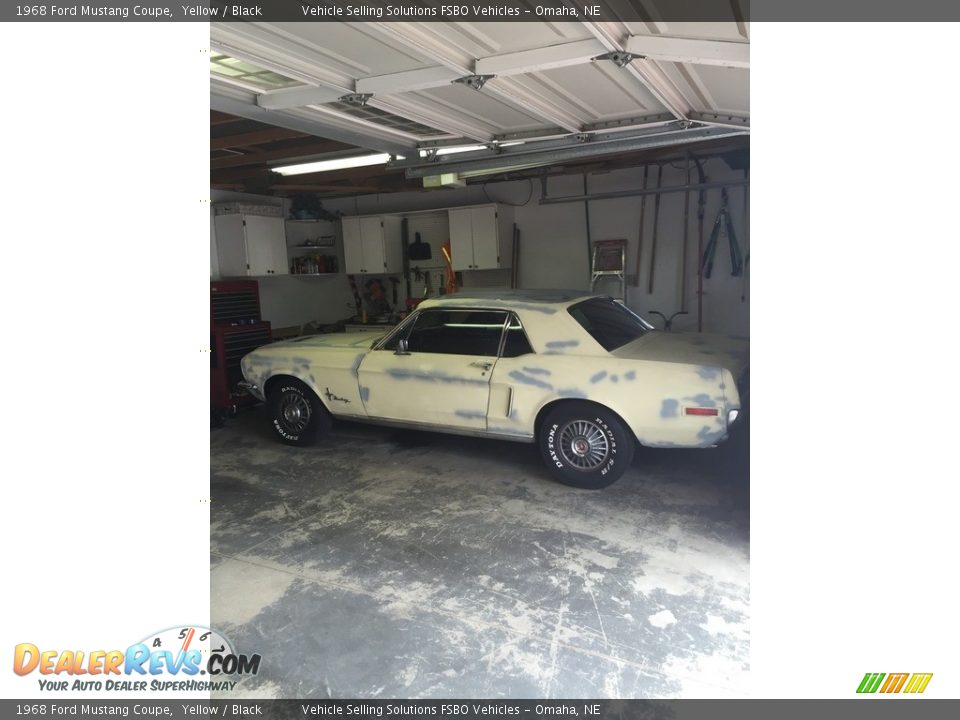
column 894, row 682
column 870, row 682
column 918, row 683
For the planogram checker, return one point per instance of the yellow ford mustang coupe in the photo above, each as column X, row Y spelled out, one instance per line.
column 580, row 375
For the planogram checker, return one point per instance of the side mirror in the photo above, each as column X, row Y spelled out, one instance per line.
column 402, row 346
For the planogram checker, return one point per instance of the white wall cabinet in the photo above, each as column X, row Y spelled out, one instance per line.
column 372, row 244
column 481, row 237
column 251, row 245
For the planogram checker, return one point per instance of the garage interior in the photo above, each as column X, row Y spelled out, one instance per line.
column 399, row 564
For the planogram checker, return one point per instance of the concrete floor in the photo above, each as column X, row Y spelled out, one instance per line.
column 398, row 564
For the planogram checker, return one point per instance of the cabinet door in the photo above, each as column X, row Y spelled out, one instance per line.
column 272, row 231
column 461, row 238
column 371, row 232
column 352, row 245
column 231, row 246
column 486, row 247
column 259, row 232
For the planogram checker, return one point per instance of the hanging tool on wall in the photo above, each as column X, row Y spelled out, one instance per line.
column 394, row 282
column 419, row 250
column 405, row 244
column 643, row 207
column 451, row 277
column 356, row 294
column 515, row 265
column 686, row 236
column 746, row 233
column 656, row 222
column 701, row 207
column 723, row 223
column 586, row 221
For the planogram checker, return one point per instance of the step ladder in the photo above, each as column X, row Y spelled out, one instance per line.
column 609, row 262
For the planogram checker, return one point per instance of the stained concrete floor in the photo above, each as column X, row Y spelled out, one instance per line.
column 388, row 564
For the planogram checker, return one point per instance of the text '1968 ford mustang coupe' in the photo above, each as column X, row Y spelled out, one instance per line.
column 580, row 375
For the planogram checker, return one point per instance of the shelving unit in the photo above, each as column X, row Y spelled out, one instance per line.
column 304, row 235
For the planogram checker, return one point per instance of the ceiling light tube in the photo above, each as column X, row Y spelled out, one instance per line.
column 454, row 149
column 341, row 163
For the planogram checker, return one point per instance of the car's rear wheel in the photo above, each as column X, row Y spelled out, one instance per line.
column 299, row 418
column 585, row 445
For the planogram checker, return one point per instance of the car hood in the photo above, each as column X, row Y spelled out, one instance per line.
column 332, row 340
column 729, row 351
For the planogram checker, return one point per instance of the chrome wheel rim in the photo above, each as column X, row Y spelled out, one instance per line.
column 584, row 445
column 295, row 411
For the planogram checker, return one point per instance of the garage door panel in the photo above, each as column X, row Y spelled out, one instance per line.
column 348, row 50
column 496, row 114
column 601, row 89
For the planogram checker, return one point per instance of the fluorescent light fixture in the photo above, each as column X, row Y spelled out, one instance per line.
column 454, row 149
column 341, row 163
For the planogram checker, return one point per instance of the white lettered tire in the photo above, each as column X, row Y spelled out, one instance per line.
column 585, row 445
column 298, row 416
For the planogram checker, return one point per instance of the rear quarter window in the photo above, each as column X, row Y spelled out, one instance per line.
column 608, row 322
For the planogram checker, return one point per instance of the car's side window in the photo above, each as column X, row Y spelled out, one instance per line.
column 400, row 332
column 516, row 343
column 457, row 332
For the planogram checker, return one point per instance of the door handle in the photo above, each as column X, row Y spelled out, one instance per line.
column 483, row 364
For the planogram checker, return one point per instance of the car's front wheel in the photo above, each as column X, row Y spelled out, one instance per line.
column 585, row 445
column 299, row 418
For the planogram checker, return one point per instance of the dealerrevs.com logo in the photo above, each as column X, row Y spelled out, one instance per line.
column 910, row 683
column 182, row 659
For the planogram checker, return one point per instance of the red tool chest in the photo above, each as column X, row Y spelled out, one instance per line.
column 235, row 329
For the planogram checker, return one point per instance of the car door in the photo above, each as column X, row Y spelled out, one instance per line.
column 444, row 376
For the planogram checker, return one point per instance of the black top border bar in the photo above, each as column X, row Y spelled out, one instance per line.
column 479, row 11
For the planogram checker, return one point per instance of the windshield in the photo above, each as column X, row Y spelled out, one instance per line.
column 608, row 322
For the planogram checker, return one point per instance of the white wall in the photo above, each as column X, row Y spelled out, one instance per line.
column 553, row 238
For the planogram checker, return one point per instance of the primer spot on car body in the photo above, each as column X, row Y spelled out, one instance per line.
column 355, row 368
column 536, row 371
column 572, row 393
column 527, row 380
column 597, row 377
column 711, row 436
column 554, row 344
column 364, row 393
column 669, row 408
column 404, row 374
column 631, row 375
column 503, row 430
column 471, row 414
column 708, row 372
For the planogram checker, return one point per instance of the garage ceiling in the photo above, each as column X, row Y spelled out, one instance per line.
column 400, row 87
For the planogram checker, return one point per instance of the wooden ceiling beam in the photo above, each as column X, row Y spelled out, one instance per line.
column 257, row 137
column 222, row 118
column 292, row 153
